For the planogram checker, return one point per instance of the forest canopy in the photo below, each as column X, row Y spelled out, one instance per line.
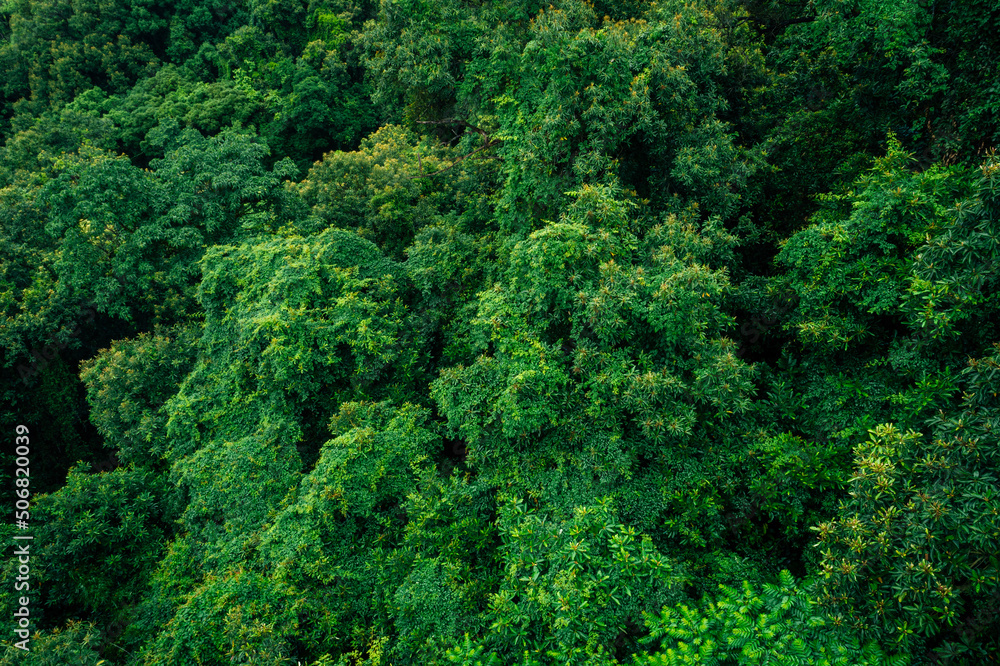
column 501, row 332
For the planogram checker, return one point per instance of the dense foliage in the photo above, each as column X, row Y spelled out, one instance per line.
column 640, row 332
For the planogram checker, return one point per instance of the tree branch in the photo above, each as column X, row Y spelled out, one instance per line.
column 457, row 161
column 456, row 121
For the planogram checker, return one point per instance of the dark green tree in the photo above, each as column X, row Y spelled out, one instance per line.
column 911, row 557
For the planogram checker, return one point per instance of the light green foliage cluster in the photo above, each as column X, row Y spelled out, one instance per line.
column 128, row 385
column 73, row 645
column 954, row 284
column 913, row 551
column 853, row 263
column 489, row 332
column 571, row 585
column 777, row 625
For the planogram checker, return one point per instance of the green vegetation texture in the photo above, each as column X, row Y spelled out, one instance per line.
column 503, row 332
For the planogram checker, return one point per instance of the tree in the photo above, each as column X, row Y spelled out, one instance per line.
column 849, row 267
column 337, row 529
column 776, row 625
column 380, row 190
column 448, row 563
column 299, row 326
column 602, row 369
column 97, row 540
column 573, row 585
column 72, row 645
column 128, row 385
column 953, row 288
column 911, row 556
